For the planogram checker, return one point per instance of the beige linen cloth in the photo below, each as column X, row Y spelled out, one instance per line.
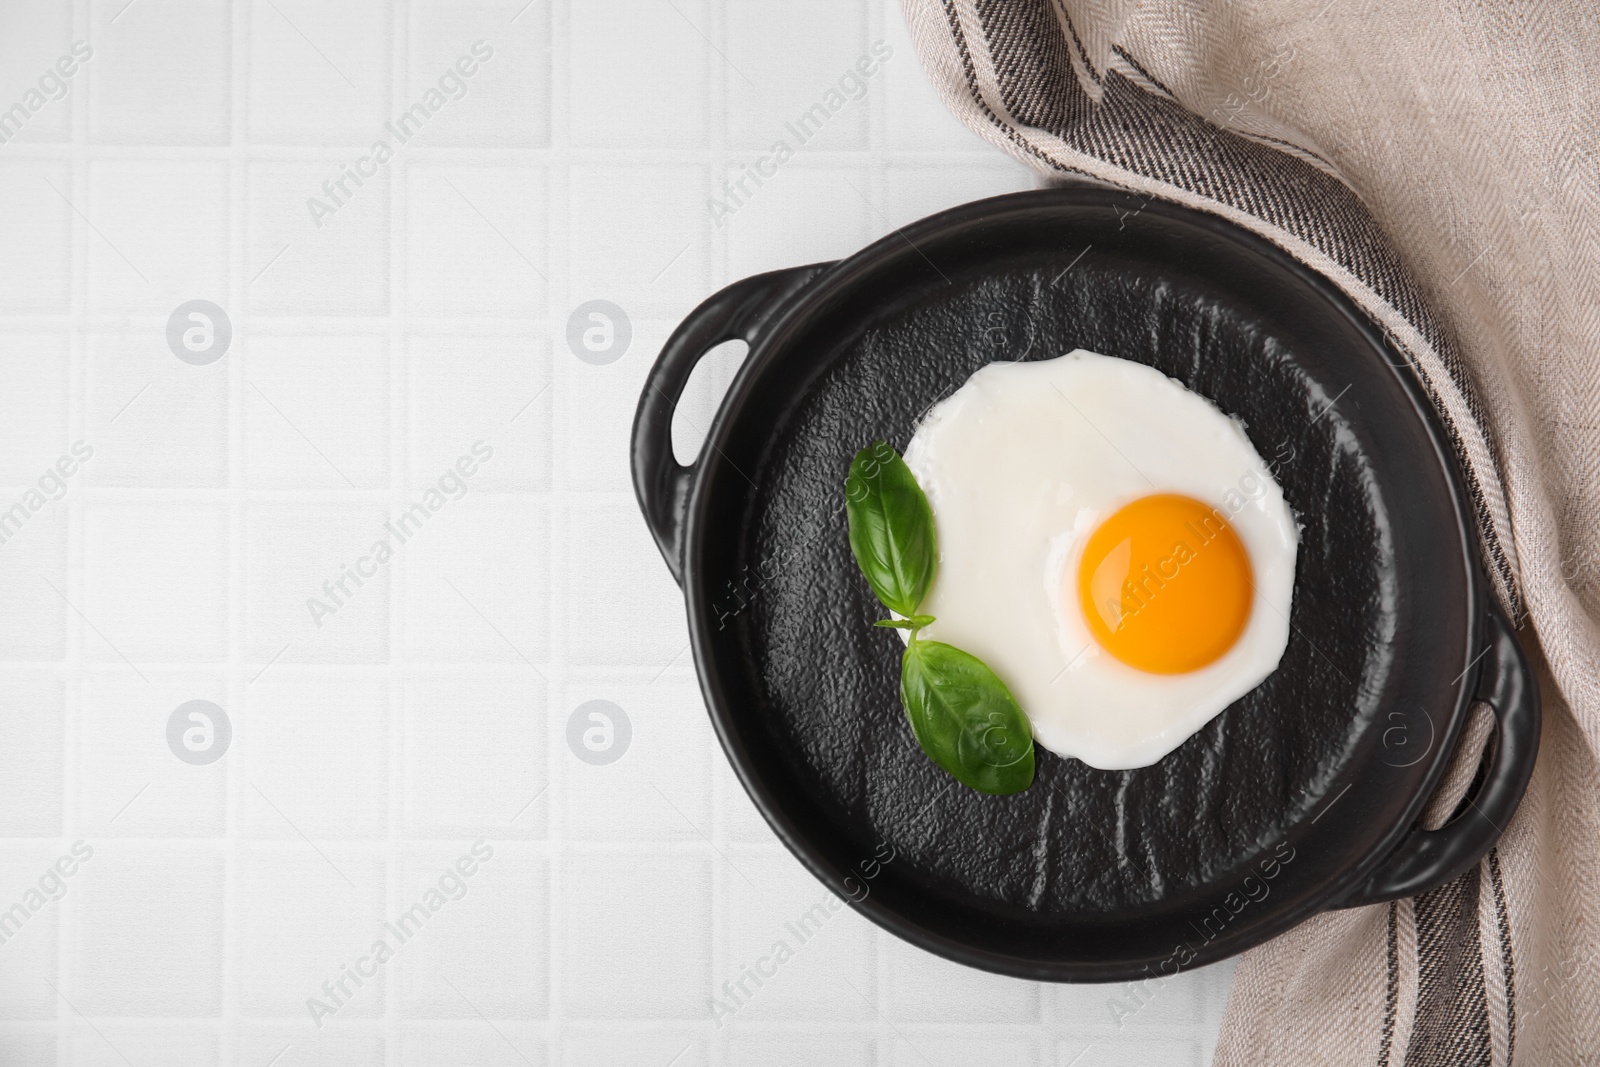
column 1441, row 163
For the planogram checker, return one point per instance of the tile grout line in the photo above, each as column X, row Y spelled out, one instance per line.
column 238, row 511
column 558, row 17
column 72, row 684
column 398, row 470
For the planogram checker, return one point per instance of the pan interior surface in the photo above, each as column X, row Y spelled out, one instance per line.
column 1087, row 866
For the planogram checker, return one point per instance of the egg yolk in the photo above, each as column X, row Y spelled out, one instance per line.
column 1165, row 584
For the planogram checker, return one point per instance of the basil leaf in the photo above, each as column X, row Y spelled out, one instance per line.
column 891, row 527
column 965, row 718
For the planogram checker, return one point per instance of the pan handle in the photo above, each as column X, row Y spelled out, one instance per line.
column 740, row 312
column 1427, row 859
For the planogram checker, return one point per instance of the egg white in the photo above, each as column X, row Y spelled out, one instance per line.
column 1020, row 465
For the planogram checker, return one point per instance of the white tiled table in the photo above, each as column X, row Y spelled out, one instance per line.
column 429, row 711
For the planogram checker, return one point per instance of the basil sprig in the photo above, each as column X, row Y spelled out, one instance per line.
column 962, row 714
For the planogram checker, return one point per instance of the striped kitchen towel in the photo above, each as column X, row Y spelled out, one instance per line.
column 1438, row 161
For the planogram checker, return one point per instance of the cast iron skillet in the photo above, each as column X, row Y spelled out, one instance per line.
column 1303, row 795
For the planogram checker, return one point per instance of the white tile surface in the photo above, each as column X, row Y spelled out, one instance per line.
column 474, row 756
column 997, row 1049
column 595, row 403
column 300, row 726
column 151, row 420
column 790, row 60
column 614, row 570
column 259, row 1042
column 31, row 794
column 633, row 942
column 124, row 770
column 33, row 412
column 176, row 50
column 35, row 271
column 30, row 1045
column 594, row 151
column 29, row 49
column 302, row 604
column 476, row 240
column 290, row 943
column 309, row 57
column 115, row 1044
column 596, row 1047
column 639, row 229
column 151, row 911
column 497, row 1044
column 33, row 576
column 472, row 956
column 316, row 411
column 825, row 956
column 169, row 222
column 506, row 101
column 155, row 583
column 471, row 385
column 32, row 942
column 924, row 988
column 913, row 117
column 665, row 795
column 810, row 213
column 640, row 74
column 467, row 601
column 800, row 1049
column 334, row 260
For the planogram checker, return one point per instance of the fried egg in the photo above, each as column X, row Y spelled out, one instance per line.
column 1111, row 545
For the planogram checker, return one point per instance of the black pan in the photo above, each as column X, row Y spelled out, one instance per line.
column 1303, row 795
